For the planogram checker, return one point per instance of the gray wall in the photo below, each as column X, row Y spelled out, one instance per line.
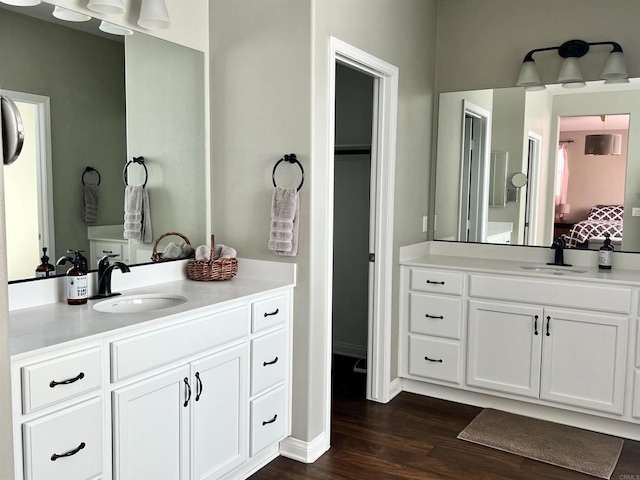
column 84, row 77
column 165, row 125
column 354, row 111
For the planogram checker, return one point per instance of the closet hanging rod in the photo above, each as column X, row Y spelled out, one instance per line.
column 566, row 141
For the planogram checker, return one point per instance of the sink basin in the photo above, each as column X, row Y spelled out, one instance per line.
column 139, row 303
column 552, row 269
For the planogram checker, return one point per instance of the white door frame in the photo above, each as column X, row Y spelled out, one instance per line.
column 43, row 164
column 383, row 151
column 533, row 186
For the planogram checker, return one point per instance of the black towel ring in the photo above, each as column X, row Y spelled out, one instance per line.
column 291, row 158
column 89, row 170
column 139, row 161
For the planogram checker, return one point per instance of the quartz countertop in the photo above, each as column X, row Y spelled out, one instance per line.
column 486, row 260
column 57, row 323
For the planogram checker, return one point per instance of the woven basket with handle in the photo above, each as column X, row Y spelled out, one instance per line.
column 157, row 257
column 207, row 270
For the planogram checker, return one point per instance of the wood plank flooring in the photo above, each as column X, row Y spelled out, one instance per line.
column 414, row 438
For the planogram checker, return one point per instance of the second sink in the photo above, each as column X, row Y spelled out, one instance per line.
column 139, row 303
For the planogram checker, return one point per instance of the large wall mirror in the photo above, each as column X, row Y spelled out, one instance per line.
column 515, row 167
column 97, row 100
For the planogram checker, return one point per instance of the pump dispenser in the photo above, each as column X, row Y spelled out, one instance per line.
column 45, row 269
column 605, row 254
column 77, row 284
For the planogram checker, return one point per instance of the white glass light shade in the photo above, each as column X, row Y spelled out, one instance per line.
column 114, row 29
column 570, row 75
column 154, row 15
column 70, row 15
column 603, row 144
column 21, row 3
column 106, row 6
column 529, row 77
column 615, row 67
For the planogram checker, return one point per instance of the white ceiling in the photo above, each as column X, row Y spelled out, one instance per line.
column 594, row 122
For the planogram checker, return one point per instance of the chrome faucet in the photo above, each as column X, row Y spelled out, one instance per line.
column 559, row 245
column 105, row 269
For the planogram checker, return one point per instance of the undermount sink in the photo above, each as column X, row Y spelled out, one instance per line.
column 552, row 269
column 139, row 303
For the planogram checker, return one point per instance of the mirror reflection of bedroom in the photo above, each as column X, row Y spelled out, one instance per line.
column 590, row 180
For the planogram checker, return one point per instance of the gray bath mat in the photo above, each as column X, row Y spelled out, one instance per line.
column 573, row 448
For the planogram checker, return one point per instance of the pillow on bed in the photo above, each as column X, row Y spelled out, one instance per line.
column 606, row 212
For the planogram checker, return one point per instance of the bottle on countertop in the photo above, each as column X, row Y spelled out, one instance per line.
column 77, row 282
column 45, row 269
column 605, row 254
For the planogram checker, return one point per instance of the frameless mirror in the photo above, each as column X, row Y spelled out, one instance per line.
column 511, row 166
column 97, row 100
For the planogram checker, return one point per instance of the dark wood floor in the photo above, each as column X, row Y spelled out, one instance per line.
column 414, row 437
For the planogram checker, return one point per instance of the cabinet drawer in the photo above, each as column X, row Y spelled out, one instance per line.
column 66, row 444
column 144, row 352
column 434, row 358
column 104, row 248
column 53, row 380
column 268, row 360
column 426, row 280
column 552, row 293
column 269, row 313
column 267, row 420
column 436, row 315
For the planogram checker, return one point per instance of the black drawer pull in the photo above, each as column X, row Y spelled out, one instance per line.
column 438, row 317
column 188, row 390
column 80, row 376
column 272, row 313
column 548, row 322
column 269, row 421
column 264, row 364
column 433, row 360
column 56, row 456
column 535, row 325
column 434, row 283
column 198, row 386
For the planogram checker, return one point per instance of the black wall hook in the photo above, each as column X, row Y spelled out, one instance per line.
column 139, row 161
column 291, row 158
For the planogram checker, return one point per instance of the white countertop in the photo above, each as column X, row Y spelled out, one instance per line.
column 510, row 260
column 57, row 323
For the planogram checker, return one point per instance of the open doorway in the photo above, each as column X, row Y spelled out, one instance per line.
column 352, row 226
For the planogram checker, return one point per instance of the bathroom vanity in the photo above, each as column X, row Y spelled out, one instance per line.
column 498, row 327
column 197, row 390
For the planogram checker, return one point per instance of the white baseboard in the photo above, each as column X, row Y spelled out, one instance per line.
column 305, row 452
column 350, row 349
column 395, row 388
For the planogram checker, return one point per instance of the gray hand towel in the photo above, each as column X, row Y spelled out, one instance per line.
column 89, row 210
column 285, row 212
column 137, row 214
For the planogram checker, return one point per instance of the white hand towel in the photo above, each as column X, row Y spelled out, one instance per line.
column 285, row 212
column 228, row 252
column 137, row 214
column 203, row 253
column 90, row 203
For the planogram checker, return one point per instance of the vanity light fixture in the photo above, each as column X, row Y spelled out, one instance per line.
column 154, row 15
column 106, row 6
column 70, row 15
column 604, row 143
column 114, row 29
column 615, row 70
column 21, row 3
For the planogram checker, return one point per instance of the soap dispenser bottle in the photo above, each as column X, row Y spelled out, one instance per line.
column 77, row 282
column 45, row 269
column 605, row 254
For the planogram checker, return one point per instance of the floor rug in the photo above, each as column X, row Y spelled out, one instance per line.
column 568, row 447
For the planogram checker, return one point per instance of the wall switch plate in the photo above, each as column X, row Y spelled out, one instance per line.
column 635, row 212
column 425, row 223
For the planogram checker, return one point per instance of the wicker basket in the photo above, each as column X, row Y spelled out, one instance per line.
column 207, row 270
column 157, row 257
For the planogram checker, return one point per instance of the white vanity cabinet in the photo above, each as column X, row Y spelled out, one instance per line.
column 537, row 352
column 203, row 395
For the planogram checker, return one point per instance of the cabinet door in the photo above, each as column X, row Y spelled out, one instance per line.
column 504, row 347
column 219, row 413
column 583, row 359
column 151, row 428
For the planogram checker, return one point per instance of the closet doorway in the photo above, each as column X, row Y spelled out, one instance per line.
column 353, row 220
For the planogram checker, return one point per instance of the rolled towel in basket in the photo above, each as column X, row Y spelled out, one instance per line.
column 203, row 253
column 228, row 252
